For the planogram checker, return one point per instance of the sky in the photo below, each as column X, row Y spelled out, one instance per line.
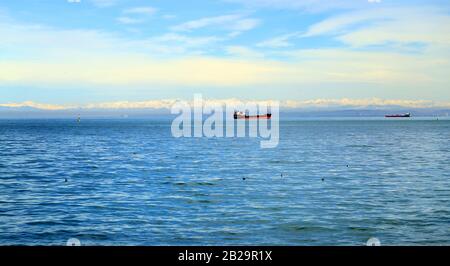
column 117, row 53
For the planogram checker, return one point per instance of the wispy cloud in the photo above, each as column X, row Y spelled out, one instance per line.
column 140, row 71
column 279, row 41
column 129, row 20
column 243, row 52
column 236, row 23
column 380, row 26
column 101, row 60
column 335, row 24
column 49, row 42
column 143, row 10
column 205, row 22
column 307, row 5
column 136, row 15
column 405, row 26
column 104, row 3
column 386, row 25
column 187, row 40
column 169, row 16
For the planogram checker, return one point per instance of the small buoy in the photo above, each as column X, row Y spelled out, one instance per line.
column 243, row 178
column 347, row 165
column 281, row 174
column 65, row 180
column 323, row 179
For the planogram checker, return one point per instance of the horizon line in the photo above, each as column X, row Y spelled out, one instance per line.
column 284, row 104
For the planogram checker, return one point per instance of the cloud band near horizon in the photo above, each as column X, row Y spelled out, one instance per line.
column 286, row 104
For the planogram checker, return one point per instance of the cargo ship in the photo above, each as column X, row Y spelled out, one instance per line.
column 241, row 115
column 398, row 115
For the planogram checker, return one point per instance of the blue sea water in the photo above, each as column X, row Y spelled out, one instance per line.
column 129, row 182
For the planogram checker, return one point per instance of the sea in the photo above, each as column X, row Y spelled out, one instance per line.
column 128, row 182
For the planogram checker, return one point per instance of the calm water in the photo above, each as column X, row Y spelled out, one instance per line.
column 130, row 183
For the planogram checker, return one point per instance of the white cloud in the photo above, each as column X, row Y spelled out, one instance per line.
column 243, row 52
column 96, row 58
column 136, row 15
column 243, row 25
column 426, row 30
column 187, row 40
column 280, row 41
column 386, row 25
column 307, row 69
column 205, row 22
column 140, row 70
column 144, row 10
column 236, row 23
column 334, row 25
column 169, row 16
column 129, row 20
column 307, row 5
column 49, row 42
column 104, row 3
column 386, row 68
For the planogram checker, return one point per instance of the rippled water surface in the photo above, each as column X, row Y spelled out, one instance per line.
column 129, row 182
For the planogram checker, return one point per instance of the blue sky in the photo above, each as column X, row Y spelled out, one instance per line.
column 87, row 52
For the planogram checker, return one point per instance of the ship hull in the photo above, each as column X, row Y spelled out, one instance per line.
column 248, row 117
column 397, row 116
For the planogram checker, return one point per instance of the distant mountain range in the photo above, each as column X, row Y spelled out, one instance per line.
column 31, row 112
column 415, row 112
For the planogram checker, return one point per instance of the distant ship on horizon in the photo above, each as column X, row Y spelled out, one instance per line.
column 398, row 115
column 242, row 115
